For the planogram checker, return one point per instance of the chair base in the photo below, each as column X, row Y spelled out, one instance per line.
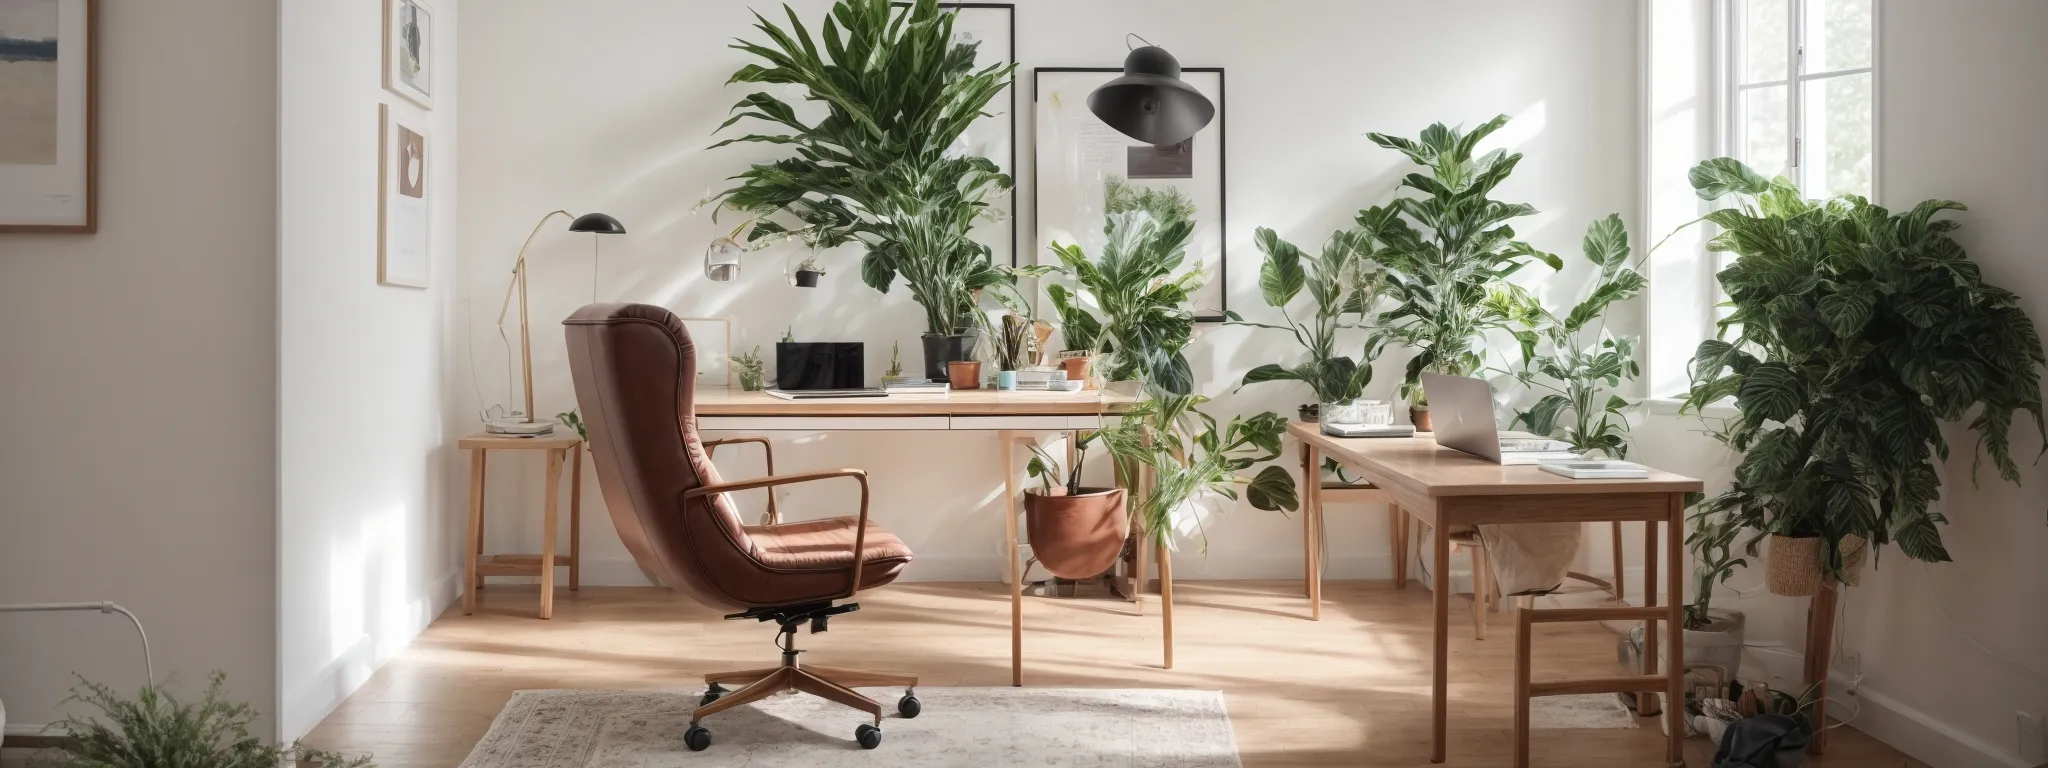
column 828, row 683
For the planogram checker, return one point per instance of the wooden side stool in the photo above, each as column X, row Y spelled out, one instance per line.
column 561, row 446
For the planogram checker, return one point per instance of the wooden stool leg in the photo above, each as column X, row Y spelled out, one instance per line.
column 1619, row 597
column 547, row 535
column 576, row 519
column 1522, row 641
column 1646, row 703
column 1478, row 591
column 1166, row 601
column 471, row 581
column 481, row 478
column 1406, row 523
column 1010, row 558
column 1312, row 533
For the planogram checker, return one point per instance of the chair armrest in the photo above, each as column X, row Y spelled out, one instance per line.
column 860, row 530
column 768, row 450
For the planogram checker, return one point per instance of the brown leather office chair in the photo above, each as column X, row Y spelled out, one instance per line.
column 635, row 371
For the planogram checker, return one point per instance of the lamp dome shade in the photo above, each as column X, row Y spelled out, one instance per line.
column 1150, row 102
column 597, row 223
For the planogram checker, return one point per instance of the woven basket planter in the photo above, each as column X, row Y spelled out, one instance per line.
column 1794, row 566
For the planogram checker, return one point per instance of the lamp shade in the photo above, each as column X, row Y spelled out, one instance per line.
column 1150, row 102
column 597, row 223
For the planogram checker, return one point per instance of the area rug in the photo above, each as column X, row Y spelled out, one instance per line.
column 1584, row 711
column 980, row 727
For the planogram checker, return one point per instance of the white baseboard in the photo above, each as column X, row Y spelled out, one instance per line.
column 29, row 729
column 1926, row 739
column 354, row 666
column 1190, row 565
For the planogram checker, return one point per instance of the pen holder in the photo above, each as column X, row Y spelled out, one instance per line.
column 1006, row 381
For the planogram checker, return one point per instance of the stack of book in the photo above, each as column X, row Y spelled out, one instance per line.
column 1046, row 380
column 1597, row 470
column 1525, row 448
column 908, row 386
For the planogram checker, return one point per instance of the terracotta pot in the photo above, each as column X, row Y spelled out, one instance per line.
column 1077, row 370
column 964, row 374
column 1792, row 568
column 1076, row 537
column 1420, row 418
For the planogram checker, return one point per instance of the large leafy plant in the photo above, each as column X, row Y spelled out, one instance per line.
column 1190, row 454
column 156, row 729
column 1342, row 285
column 897, row 93
column 1573, row 359
column 1446, row 248
column 1856, row 332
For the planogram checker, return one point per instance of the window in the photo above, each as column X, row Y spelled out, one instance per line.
column 1801, row 101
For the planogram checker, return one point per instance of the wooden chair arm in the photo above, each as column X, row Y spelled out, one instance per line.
column 768, row 450
column 860, row 530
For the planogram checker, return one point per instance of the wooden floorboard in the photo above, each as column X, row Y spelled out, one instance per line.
column 1350, row 690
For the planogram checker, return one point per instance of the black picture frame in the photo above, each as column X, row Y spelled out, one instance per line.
column 1222, row 174
column 1016, row 235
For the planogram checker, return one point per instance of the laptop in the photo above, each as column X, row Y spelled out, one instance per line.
column 1461, row 409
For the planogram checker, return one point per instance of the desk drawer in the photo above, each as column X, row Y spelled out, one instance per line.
column 1017, row 423
column 821, row 423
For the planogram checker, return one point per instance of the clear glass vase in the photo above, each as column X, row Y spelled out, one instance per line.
column 1369, row 412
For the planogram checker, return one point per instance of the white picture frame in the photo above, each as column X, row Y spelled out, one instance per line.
column 404, row 200
column 409, row 50
column 1075, row 153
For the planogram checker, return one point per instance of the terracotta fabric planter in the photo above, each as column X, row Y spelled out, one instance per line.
column 964, row 374
column 1793, row 567
column 1077, row 370
column 1420, row 418
column 1076, row 537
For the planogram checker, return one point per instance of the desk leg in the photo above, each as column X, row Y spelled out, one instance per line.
column 482, row 472
column 1312, row 528
column 1308, row 566
column 1141, row 548
column 1404, row 527
column 1440, row 640
column 1010, row 558
column 470, row 581
column 1646, row 703
column 1674, row 584
column 1620, row 597
column 547, row 535
column 1166, row 601
column 576, row 518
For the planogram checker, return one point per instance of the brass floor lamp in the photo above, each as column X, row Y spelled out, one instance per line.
column 523, row 422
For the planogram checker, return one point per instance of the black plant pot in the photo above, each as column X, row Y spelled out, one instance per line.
column 807, row 279
column 940, row 350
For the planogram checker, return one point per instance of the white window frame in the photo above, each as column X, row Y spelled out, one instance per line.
column 1729, row 66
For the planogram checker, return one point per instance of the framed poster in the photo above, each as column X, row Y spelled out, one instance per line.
column 403, row 195
column 1082, row 166
column 409, row 51
column 49, row 123
column 994, row 26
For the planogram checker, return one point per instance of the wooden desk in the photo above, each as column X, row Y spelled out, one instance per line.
column 562, row 445
column 1446, row 488
column 1014, row 416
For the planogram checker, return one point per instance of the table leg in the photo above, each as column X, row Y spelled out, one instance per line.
column 1619, row 591
column 1142, row 548
column 1820, row 634
column 481, row 473
column 1404, row 525
column 1674, row 580
column 1523, row 631
column 1312, row 524
column 1440, row 640
column 576, row 518
column 1010, row 558
column 547, row 535
column 1308, row 565
column 1166, row 601
column 1646, row 703
column 470, row 581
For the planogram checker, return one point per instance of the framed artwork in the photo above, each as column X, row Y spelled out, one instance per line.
column 409, row 51
column 403, row 201
column 49, row 123
column 994, row 26
column 713, row 339
column 1081, row 165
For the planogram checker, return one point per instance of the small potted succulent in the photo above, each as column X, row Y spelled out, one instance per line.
column 1075, row 532
column 808, row 272
column 751, row 369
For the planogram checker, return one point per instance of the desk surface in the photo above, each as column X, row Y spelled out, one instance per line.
column 562, row 437
column 719, row 401
column 1421, row 467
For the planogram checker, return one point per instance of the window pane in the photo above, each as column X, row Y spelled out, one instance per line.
column 1837, row 146
column 1766, row 35
column 1766, row 131
column 1838, row 34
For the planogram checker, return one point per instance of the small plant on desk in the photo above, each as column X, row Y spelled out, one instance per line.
column 574, row 421
column 895, row 361
column 750, row 368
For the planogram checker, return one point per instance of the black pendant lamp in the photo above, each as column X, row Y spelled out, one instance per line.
column 1150, row 102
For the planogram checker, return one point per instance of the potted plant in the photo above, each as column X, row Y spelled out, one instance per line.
column 808, row 272
column 1582, row 364
column 1444, row 249
column 1079, row 365
column 156, row 729
column 1341, row 285
column 1076, row 532
column 1858, row 331
column 876, row 168
column 750, row 368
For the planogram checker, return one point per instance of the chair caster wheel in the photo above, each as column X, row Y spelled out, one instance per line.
column 697, row 738
column 868, row 736
column 909, row 706
column 711, row 694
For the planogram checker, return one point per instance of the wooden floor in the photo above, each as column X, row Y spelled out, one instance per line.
column 1350, row 690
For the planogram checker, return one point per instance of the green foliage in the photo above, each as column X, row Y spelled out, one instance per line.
column 750, row 368
column 897, row 92
column 1047, row 469
column 1343, row 287
column 1167, row 204
column 575, row 421
column 1581, row 365
column 1140, row 325
column 895, row 360
column 1857, row 332
column 155, row 730
column 1446, row 248
column 1190, row 453
column 1712, row 542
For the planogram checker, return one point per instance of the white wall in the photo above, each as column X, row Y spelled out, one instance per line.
column 616, row 117
column 366, row 542
column 137, row 375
